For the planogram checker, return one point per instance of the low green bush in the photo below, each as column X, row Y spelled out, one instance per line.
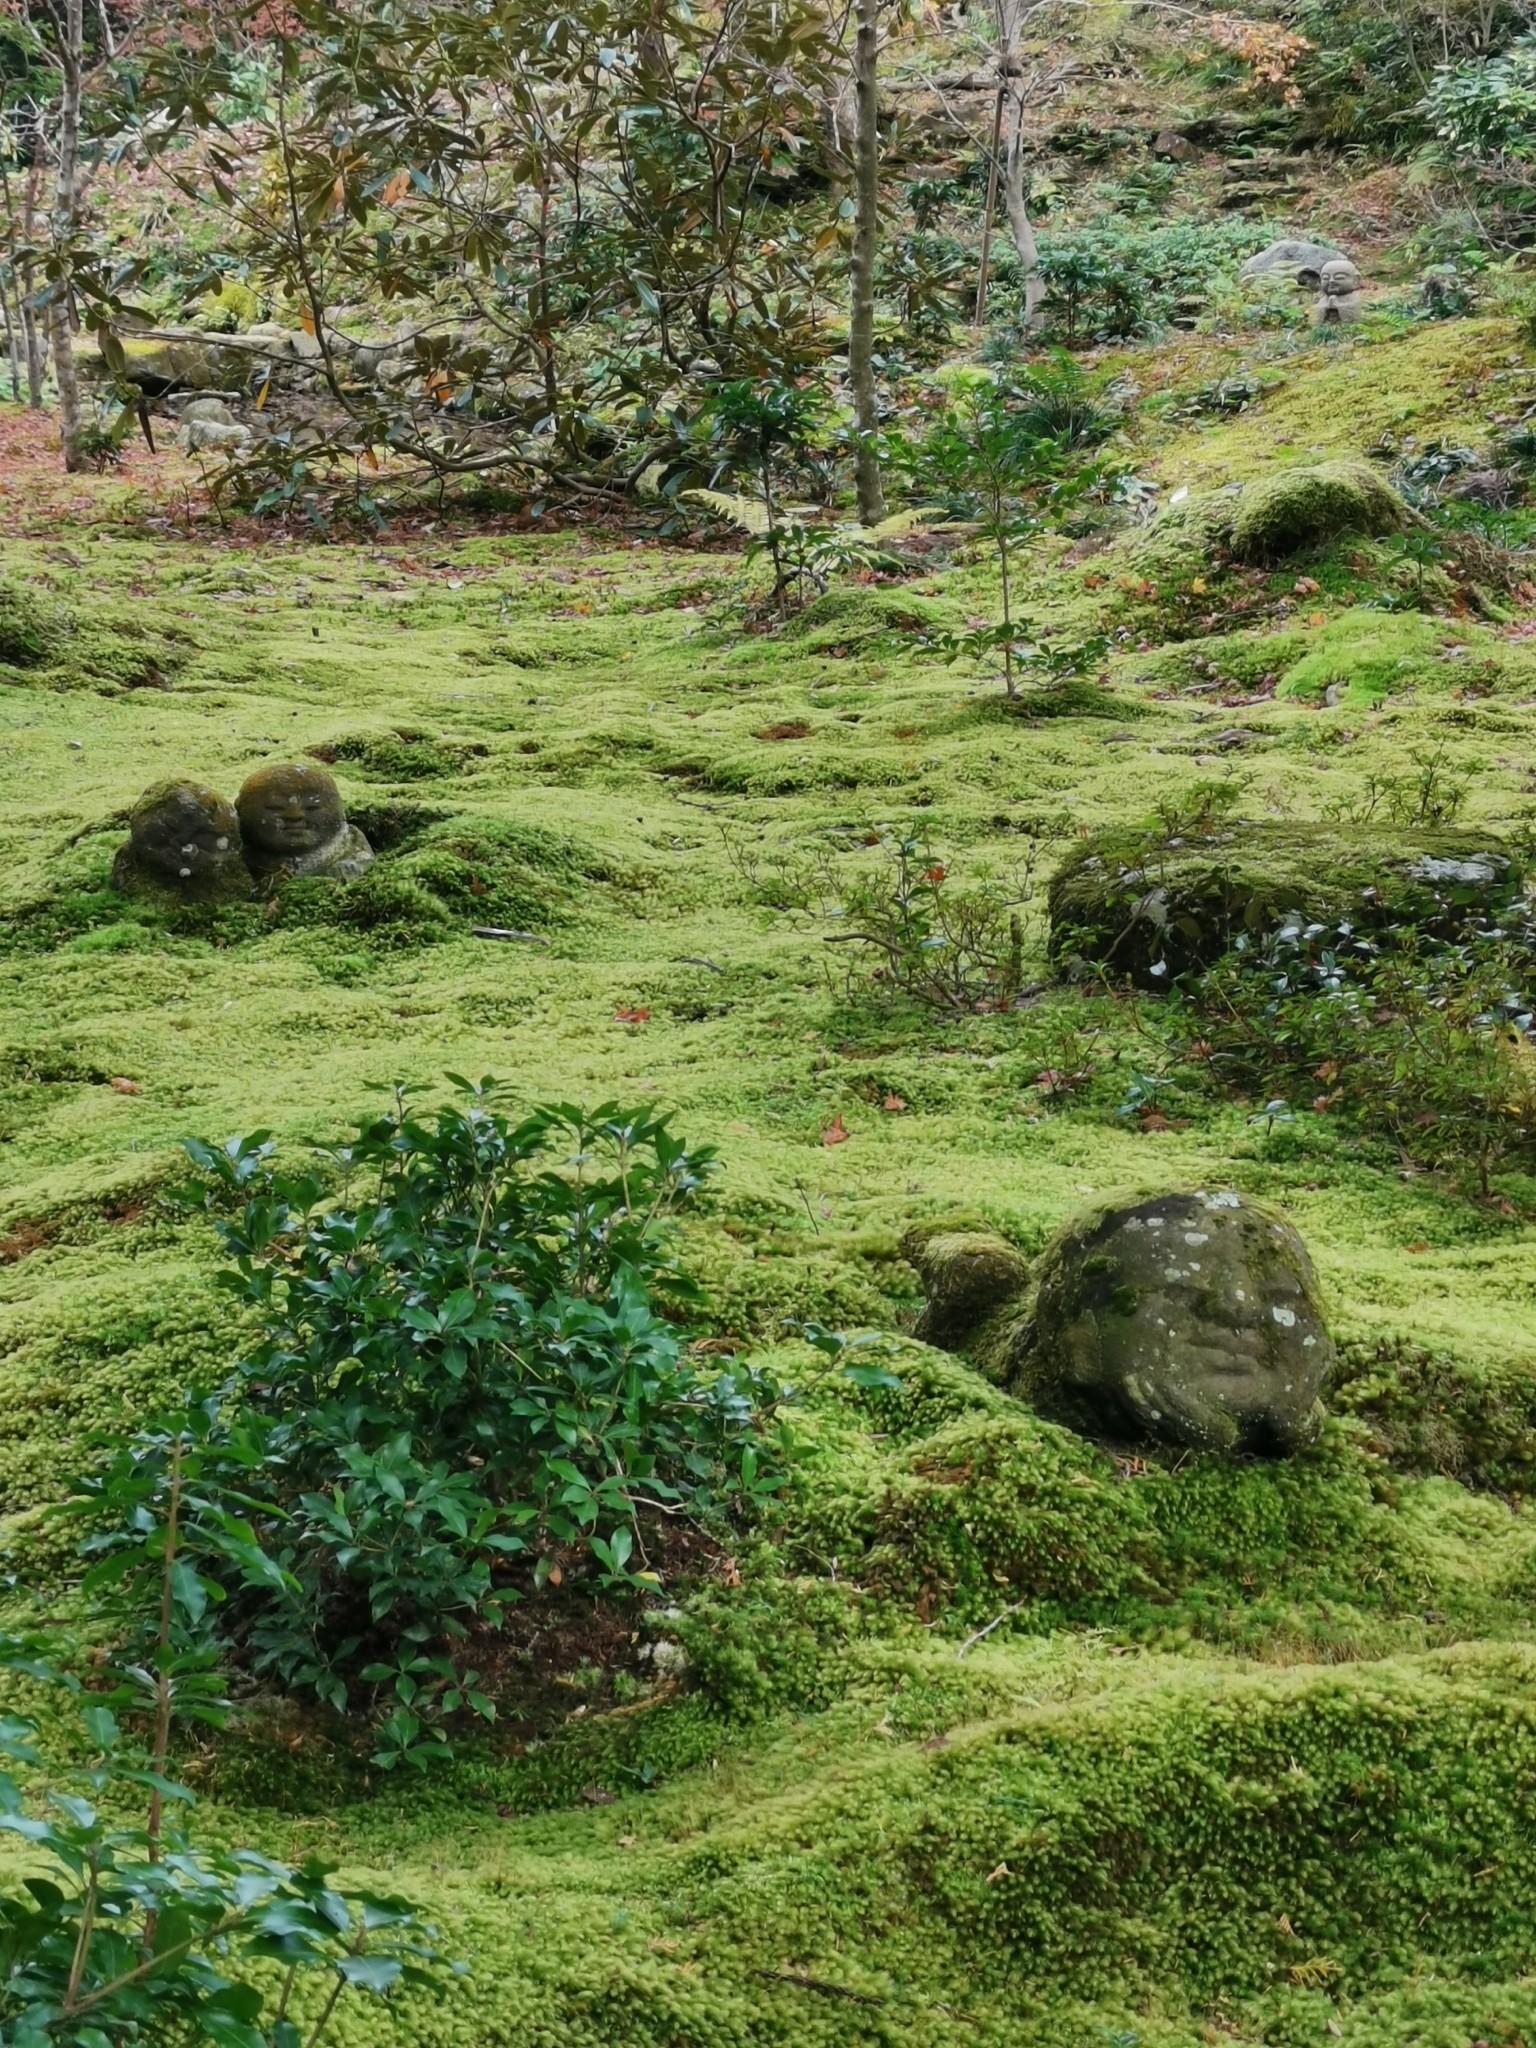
column 466, row 1387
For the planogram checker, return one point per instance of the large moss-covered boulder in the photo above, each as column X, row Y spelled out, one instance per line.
column 1304, row 508
column 1187, row 1318
column 1301, row 261
column 156, row 364
column 1148, row 907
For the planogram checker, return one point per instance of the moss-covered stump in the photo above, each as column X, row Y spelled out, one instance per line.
column 1148, row 907
column 1188, row 1318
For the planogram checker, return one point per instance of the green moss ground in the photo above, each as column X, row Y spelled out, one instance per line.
column 1253, row 1756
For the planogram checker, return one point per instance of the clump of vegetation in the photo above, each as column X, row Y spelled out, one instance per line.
column 139, row 1932
column 1428, row 1042
column 922, row 928
column 467, row 1388
column 33, row 629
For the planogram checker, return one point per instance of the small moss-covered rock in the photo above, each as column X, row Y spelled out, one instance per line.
column 1304, row 508
column 1149, row 907
column 966, row 1275
column 1189, row 1318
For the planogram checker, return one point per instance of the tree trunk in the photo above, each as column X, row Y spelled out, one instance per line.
column 12, row 350
column 1010, row 77
column 65, row 205
column 33, row 343
column 26, row 283
column 68, row 382
column 1019, row 224
column 866, row 231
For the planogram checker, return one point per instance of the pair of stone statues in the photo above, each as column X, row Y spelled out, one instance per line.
column 186, row 840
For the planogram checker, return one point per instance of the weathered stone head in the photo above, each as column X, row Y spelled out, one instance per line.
column 292, row 823
column 183, row 840
column 1186, row 1318
column 1338, row 292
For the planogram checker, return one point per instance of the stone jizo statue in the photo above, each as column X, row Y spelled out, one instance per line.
column 1338, row 293
column 183, row 840
column 293, row 824
column 1190, row 1318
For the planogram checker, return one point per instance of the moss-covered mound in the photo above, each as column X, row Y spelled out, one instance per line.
column 1269, row 520
column 1305, row 508
column 460, row 872
column 46, row 642
column 404, row 755
column 1149, row 907
column 33, row 629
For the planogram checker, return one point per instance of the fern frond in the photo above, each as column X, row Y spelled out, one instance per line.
column 900, row 524
column 750, row 514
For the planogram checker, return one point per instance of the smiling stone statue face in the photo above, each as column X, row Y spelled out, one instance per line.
column 293, row 823
column 1190, row 1318
column 183, row 840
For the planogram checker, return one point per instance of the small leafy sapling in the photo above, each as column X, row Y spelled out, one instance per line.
column 988, row 456
column 753, row 424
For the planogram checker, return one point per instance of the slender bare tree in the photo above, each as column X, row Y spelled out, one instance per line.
column 70, row 21
column 866, row 240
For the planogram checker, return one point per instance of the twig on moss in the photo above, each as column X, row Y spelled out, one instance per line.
column 807, row 1983
column 982, row 1633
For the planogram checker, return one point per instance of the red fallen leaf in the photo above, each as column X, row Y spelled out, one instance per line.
column 837, row 1132
column 1420, row 1246
column 894, row 1104
column 556, row 1576
column 123, row 1085
column 1306, row 586
column 1154, row 1120
column 631, row 1016
column 935, row 873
